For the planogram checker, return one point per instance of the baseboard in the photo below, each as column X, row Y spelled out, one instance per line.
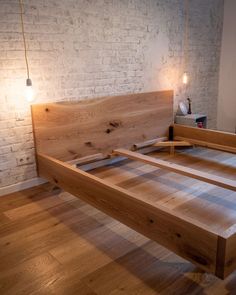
column 21, row 186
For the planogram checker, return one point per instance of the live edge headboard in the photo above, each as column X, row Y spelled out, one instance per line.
column 69, row 130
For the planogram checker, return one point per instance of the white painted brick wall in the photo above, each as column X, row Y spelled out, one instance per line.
column 88, row 48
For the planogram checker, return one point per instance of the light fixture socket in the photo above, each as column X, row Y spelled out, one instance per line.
column 28, row 82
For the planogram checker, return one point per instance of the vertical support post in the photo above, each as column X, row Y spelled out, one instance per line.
column 171, row 133
column 171, row 138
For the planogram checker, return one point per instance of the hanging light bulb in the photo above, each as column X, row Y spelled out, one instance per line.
column 29, row 91
column 185, row 78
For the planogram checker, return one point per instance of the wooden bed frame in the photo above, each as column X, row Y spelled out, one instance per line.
column 98, row 132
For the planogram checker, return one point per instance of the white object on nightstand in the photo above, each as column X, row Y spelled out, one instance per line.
column 182, row 109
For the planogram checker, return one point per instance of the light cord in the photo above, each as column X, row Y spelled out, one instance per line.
column 23, row 34
column 186, row 33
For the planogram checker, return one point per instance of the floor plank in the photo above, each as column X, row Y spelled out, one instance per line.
column 52, row 243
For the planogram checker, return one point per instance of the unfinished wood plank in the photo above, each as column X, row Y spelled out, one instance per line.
column 76, row 129
column 203, row 176
column 205, row 137
column 110, row 160
column 87, row 159
column 207, row 144
column 220, row 258
column 172, row 143
column 147, row 143
column 186, row 237
column 228, row 264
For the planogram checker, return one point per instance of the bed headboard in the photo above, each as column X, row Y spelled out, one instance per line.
column 68, row 130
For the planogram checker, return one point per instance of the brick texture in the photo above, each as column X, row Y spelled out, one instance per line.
column 88, row 48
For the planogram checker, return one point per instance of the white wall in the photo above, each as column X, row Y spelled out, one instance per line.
column 79, row 49
column 227, row 86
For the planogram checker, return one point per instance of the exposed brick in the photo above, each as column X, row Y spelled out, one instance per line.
column 94, row 48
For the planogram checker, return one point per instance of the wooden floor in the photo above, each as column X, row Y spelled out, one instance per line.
column 53, row 243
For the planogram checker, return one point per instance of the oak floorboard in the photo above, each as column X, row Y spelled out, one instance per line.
column 31, row 220
column 66, row 247
column 33, row 208
column 4, row 220
column 14, row 278
column 18, row 199
column 148, row 273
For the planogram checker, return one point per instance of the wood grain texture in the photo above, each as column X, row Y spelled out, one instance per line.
column 226, row 254
column 184, row 236
column 87, row 159
column 172, row 143
column 209, row 138
column 103, row 257
column 228, row 262
column 208, row 144
column 148, row 143
column 100, row 256
column 186, row 171
column 230, row 256
column 72, row 130
column 212, row 206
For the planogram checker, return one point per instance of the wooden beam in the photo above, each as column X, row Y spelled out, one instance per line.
column 203, row 176
column 208, row 144
column 98, row 164
column 87, row 159
column 181, row 234
column 209, row 138
column 226, row 256
column 172, row 143
column 110, row 160
column 147, row 143
column 230, row 256
column 227, row 263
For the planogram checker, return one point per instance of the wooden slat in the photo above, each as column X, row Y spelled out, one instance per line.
column 203, row 176
column 87, row 159
column 207, row 144
column 172, row 143
column 209, row 138
column 186, row 237
column 147, row 143
column 110, row 160
column 76, row 129
column 99, row 160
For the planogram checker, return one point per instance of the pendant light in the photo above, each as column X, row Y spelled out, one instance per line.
column 186, row 41
column 29, row 90
column 185, row 78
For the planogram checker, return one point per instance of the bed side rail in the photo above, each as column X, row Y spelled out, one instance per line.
column 205, row 137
